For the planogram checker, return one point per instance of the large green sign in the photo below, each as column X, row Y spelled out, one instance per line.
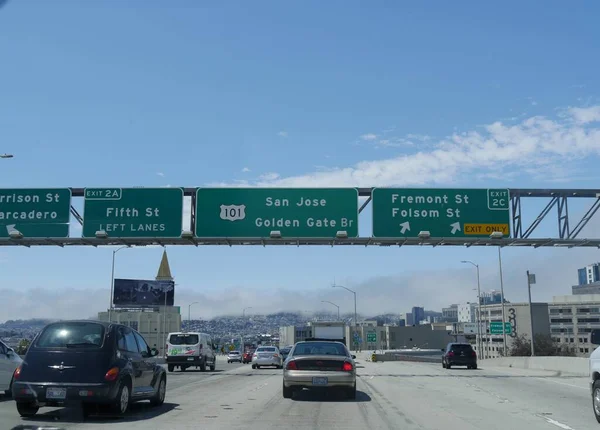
column 295, row 212
column 372, row 337
column 496, row 327
column 404, row 212
column 35, row 213
column 133, row 212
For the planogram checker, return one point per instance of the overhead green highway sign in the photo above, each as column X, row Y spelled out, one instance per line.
column 294, row 212
column 404, row 212
column 372, row 337
column 496, row 327
column 133, row 212
column 35, row 213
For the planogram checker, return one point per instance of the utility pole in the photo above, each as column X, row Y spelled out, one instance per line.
column 531, row 280
column 502, row 294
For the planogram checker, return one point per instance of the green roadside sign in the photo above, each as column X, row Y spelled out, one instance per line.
column 371, row 337
column 35, row 213
column 133, row 212
column 404, row 212
column 294, row 212
column 496, row 327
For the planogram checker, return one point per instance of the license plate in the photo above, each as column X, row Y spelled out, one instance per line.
column 190, row 358
column 56, row 393
column 320, row 381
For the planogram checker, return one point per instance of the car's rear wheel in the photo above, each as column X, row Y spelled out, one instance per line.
column 27, row 409
column 287, row 392
column 448, row 366
column 203, row 366
column 213, row 365
column 171, row 367
column 121, row 404
column 474, row 367
column 159, row 397
column 254, row 366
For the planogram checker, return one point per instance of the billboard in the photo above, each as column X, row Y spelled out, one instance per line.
column 143, row 293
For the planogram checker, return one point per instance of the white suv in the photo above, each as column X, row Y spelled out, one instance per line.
column 9, row 361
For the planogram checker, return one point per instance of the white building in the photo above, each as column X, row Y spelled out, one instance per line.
column 467, row 312
column 572, row 318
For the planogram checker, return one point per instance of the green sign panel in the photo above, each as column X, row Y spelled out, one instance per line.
column 404, row 212
column 371, row 337
column 35, row 213
column 496, row 327
column 295, row 212
column 133, row 212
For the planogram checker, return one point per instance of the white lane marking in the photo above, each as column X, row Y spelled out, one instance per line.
column 371, row 377
column 558, row 424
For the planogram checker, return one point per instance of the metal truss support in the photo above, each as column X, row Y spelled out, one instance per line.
column 563, row 217
column 540, row 218
column 76, row 215
column 364, row 205
column 516, row 216
column 585, row 219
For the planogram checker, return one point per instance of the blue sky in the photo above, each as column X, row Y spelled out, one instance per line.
column 194, row 93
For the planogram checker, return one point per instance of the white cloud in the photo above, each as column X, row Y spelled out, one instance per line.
column 272, row 176
column 537, row 143
column 245, row 170
column 161, row 174
column 585, row 115
column 419, row 137
column 368, row 136
column 282, row 134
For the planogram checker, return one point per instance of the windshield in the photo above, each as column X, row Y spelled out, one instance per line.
column 320, row 348
column 184, row 339
column 71, row 334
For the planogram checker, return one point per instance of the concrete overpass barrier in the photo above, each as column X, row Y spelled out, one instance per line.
column 575, row 366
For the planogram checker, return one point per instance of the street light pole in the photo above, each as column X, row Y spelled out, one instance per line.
column 331, row 303
column 112, row 281
column 502, row 294
column 355, row 317
column 190, row 313
column 479, row 343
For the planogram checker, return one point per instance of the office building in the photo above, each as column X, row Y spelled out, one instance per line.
column 425, row 336
column 467, row 312
column 491, row 297
column 589, row 274
column 418, row 314
column 572, row 318
column 289, row 335
column 517, row 314
column 592, row 288
column 450, row 314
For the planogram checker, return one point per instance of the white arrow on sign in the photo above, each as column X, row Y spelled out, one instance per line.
column 10, row 228
column 455, row 227
column 404, row 226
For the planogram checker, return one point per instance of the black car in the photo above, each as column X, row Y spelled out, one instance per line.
column 285, row 352
column 88, row 363
column 459, row 354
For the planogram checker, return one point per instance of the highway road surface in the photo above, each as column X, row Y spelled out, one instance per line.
column 391, row 395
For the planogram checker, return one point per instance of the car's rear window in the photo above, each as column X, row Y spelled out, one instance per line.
column 184, row 339
column 458, row 347
column 72, row 335
column 320, row 348
column 235, row 353
column 265, row 350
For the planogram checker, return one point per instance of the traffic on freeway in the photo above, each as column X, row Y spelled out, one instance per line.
column 389, row 395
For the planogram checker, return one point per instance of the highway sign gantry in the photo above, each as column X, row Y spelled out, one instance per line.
column 294, row 212
column 35, row 213
column 133, row 212
column 404, row 212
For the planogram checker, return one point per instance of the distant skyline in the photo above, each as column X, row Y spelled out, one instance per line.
column 287, row 95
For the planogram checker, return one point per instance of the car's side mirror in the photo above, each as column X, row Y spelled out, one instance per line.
column 353, row 357
column 153, row 352
column 595, row 337
column 443, row 350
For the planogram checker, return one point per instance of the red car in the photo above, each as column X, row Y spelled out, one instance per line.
column 247, row 357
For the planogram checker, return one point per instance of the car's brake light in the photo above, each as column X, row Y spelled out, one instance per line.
column 17, row 373
column 112, row 374
column 451, row 354
column 347, row 367
column 275, row 356
column 474, row 354
column 291, row 366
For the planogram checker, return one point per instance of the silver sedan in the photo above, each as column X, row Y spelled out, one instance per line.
column 266, row 356
column 319, row 365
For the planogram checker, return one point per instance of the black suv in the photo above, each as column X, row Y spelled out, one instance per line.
column 459, row 354
column 88, row 363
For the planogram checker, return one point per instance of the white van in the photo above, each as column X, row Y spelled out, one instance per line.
column 190, row 349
